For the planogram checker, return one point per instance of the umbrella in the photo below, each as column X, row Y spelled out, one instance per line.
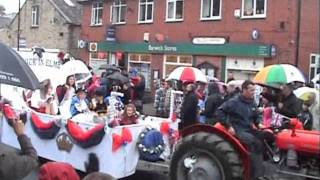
column 274, row 75
column 305, row 92
column 186, row 74
column 15, row 71
column 117, row 76
column 55, row 75
column 77, row 68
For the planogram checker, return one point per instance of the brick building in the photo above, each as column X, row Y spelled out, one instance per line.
column 52, row 24
column 218, row 36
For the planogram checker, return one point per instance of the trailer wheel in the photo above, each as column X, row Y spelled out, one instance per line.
column 205, row 156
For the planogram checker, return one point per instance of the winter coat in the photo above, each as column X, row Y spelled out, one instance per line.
column 17, row 165
column 238, row 113
column 159, row 100
column 292, row 106
column 307, row 119
column 74, row 102
column 189, row 110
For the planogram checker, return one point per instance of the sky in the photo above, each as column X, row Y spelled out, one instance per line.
column 11, row 5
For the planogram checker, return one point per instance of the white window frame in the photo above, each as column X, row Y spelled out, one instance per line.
column 314, row 65
column 120, row 6
column 264, row 15
column 35, row 16
column 148, row 87
column 171, row 63
column 96, row 7
column 211, row 9
column 146, row 11
column 174, row 19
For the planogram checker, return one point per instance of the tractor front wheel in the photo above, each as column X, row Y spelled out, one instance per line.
column 205, row 156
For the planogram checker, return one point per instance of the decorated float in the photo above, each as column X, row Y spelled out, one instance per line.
column 70, row 140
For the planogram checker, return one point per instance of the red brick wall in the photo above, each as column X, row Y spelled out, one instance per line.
column 238, row 30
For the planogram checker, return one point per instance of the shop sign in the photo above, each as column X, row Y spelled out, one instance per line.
column 209, row 40
column 162, row 48
column 111, row 34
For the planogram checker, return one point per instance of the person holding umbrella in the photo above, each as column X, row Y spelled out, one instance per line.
column 289, row 105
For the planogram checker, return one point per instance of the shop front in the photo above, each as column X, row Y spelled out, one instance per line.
column 157, row 61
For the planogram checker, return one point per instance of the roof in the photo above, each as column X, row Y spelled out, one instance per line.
column 4, row 22
column 70, row 10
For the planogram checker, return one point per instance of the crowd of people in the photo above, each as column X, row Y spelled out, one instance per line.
column 102, row 96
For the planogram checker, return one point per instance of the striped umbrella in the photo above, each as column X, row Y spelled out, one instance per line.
column 274, row 75
column 187, row 74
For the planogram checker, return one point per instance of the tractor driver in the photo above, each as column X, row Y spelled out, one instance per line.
column 240, row 117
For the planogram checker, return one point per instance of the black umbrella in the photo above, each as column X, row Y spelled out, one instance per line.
column 118, row 77
column 14, row 70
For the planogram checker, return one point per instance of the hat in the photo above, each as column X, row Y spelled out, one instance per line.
column 267, row 96
column 57, row 171
column 80, row 90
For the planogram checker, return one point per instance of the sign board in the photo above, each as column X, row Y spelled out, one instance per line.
column 22, row 43
column 49, row 59
column 209, row 40
column 111, row 34
column 162, row 48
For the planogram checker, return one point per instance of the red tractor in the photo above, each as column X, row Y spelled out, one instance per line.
column 210, row 153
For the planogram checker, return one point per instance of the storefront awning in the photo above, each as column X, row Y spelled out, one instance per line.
column 229, row 49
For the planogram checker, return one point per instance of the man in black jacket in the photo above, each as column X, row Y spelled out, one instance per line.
column 289, row 104
column 17, row 165
column 189, row 108
column 240, row 117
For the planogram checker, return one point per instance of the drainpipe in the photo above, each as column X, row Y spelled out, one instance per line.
column 18, row 38
column 298, row 33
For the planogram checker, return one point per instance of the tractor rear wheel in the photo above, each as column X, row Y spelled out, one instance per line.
column 205, row 156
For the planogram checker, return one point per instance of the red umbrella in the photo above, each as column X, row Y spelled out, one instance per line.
column 187, row 74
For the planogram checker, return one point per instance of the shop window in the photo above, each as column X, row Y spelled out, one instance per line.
column 314, row 65
column 96, row 13
column 174, row 10
column 173, row 61
column 35, row 16
column 145, row 11
column 210, row 9
column 254, row 8
column 118, row 12
column 140, row 63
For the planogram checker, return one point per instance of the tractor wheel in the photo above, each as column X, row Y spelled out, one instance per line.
column 205, row 156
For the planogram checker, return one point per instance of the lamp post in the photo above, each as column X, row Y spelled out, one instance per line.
column 18, row 40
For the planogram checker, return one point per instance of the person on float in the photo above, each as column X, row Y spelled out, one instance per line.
column 305, row 116
column 97, row 104
column 43, row 100
column 129, row 115
column 67, row 91
column 79, row 103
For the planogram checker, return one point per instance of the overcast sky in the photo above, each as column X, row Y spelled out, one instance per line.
column 11, row 5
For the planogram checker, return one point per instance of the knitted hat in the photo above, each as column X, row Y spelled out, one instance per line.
column 57, row 171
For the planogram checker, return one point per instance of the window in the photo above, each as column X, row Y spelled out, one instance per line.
column 210, row 9
column 314, row 65
column 35, row 16
column 145, row 11
column 141, row 63
column 96, row 13
column 118, row 12
column 173, row 61
column 254, row 8
column 174, row 10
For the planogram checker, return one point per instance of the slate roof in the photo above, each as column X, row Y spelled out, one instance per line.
column 4, row 22
column 72, row 14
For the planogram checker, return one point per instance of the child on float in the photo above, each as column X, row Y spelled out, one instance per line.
column 128, row 117
column 66, row 91
column 97, row 103
column 79, row 103
column 43, row 100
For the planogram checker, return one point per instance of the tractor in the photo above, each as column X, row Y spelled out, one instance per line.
column 209, row 152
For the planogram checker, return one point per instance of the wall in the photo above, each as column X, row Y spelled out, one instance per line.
column 278, row 28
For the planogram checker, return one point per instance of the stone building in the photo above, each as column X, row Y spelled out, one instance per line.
column 52, row 24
